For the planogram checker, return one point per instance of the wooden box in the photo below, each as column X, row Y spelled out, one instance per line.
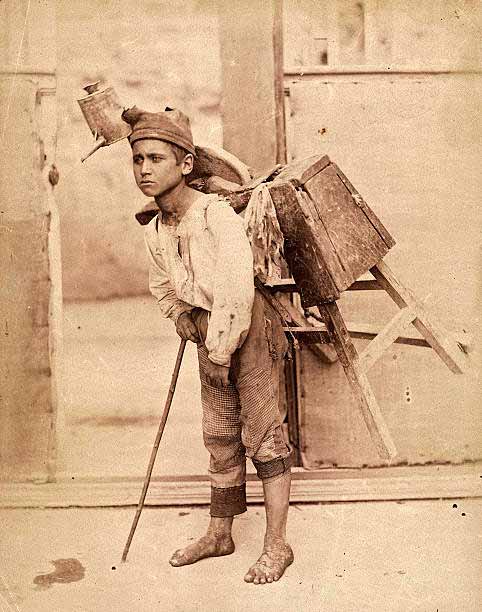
column 331, row 235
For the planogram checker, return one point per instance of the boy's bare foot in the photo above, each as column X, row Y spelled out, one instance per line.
column 275, row 558
column 208, row 546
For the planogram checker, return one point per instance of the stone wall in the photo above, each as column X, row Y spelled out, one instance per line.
column 29, row 276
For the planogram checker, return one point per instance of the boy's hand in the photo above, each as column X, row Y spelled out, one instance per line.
column 217, row 375
column 186, row 328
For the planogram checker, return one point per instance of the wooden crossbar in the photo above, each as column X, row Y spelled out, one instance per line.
column 386, row 338
column 287, row 285
column 366, row 331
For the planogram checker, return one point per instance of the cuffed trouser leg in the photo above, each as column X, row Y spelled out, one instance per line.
column 257, row 370
column 228, row 486
column 273, row 458
column 228, row 502
column 222, row 438
column 267, row 470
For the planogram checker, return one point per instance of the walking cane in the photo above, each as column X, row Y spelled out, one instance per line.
column 157, row 441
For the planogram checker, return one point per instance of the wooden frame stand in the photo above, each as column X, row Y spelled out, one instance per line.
column 336, row 332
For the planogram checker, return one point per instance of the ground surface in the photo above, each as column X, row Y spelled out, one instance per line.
column 389, row 557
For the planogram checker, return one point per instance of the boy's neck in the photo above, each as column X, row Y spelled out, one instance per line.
column 175, row 204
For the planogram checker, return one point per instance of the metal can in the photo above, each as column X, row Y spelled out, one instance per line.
column 102, row 111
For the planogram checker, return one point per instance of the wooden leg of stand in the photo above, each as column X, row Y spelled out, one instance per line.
column 446, row 347
column 359, row 384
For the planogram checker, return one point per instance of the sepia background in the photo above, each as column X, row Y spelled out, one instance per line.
column 391, row 91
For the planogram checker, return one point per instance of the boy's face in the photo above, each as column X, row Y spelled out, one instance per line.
column 156, row 169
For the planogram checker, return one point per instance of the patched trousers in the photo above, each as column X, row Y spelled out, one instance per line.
column 243, row 419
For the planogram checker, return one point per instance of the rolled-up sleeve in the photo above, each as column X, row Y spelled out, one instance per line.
column 160, row 286
column 233, row 284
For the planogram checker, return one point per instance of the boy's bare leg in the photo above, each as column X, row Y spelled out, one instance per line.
column 216, row 543
column 277, row 554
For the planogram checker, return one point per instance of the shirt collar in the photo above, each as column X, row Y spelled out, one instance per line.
column 196, row 214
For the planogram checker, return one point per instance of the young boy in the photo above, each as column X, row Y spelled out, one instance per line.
column 201, row 272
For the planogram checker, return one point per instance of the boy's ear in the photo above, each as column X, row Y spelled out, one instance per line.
column 187, row 164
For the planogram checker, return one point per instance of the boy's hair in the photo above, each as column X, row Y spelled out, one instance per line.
column 179, row 152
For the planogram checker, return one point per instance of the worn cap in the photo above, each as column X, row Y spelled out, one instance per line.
column 170, row 125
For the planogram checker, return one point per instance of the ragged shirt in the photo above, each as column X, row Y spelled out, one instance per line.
column 205, row 261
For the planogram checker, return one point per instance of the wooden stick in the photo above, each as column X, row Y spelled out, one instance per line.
column 157, row 441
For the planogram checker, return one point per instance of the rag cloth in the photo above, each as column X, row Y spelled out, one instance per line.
column 264, row 234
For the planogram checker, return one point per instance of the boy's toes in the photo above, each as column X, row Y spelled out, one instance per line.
column 250, row 575
column 176, row 559
column 259, row 578
column 270, row 566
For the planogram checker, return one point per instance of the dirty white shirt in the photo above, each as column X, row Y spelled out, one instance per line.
column 205, row 261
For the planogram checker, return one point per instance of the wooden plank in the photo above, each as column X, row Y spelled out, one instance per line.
column 292, row 396
column 295, row 409
column 372, row 217
column 446, row 348
column 326, row 485
column 307, row 248
column 385, row 338
column 341, row 277
column 308, row 335
column 309, row 72
column 400, row 294
column 284, row 285
column 356, row 242
column 320, row 165
column 365, row 331
column 358, row 382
